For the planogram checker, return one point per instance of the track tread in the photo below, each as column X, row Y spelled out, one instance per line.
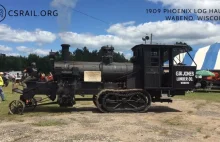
column 122, row 92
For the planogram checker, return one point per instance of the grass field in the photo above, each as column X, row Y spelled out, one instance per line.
column 208, row 96
column 55, row 109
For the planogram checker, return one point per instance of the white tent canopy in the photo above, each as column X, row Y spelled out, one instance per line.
column 206, row 58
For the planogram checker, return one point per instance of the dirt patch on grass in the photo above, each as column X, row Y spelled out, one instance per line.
column 49, row 122
column 176, row 121
column 183, row 120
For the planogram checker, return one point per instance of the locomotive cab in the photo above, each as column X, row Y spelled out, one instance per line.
column 159, row 71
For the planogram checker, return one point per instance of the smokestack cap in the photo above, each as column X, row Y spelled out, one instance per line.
column 65, row 45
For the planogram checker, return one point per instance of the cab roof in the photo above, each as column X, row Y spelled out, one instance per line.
column 181, row 46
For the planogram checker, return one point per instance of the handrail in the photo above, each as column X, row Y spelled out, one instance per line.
column 191, row 58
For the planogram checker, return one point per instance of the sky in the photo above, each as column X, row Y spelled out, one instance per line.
column 95, row 23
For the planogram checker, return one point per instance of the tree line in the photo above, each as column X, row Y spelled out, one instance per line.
column 19, row 63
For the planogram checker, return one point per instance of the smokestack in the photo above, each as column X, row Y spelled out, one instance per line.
column 65, row 52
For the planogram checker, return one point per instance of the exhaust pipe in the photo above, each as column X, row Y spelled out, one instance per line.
column 65, row 52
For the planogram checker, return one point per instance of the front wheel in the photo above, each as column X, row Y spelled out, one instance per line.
column 16, row 107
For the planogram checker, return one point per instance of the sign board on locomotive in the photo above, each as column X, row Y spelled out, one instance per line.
column 92, row 76
column 183, row 77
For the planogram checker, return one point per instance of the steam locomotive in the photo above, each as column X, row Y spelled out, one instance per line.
column 115, row 87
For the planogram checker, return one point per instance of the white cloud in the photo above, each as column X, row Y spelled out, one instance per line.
column 37, row 51
column 123, row 36
column 38, row 36
column 41, row 52
column 4, row 48
column 12, row 54
column 7, row 51
column 191, row 32
column 94, row 41
column 24, row 49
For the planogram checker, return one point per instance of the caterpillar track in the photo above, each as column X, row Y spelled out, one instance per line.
column 129, row 100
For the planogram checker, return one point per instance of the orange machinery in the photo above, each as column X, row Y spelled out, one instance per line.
column 213, row 78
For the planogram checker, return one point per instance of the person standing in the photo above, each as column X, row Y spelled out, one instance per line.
column 5, row 79
column 1, row 85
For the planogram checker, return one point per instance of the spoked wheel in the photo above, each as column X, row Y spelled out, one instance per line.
column 16, row 107
column 126, row 101
column 137, row 101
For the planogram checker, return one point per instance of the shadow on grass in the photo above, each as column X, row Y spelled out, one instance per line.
column 93, row 109
column 162, row 109
column 57, row 109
